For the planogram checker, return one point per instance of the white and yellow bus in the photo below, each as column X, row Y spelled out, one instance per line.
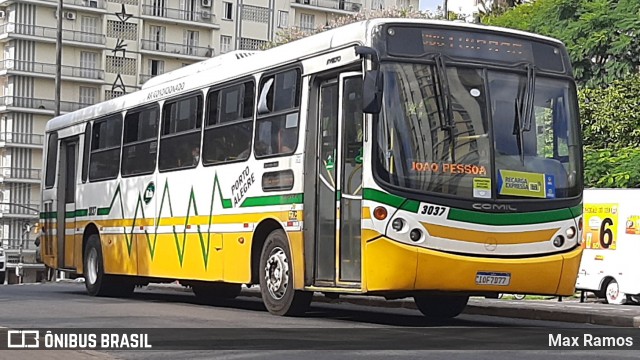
column 390, row 157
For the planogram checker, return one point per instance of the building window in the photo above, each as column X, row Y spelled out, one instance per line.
column 158, row 8
column 191, row 40
column 283, row 19
column 88, row 95
column 403, row 4
column 377, row 4
column 227, row 11
column 157, row 37
column 89, row 65
column 156, row 67
column 307, row 22
column 225, row 43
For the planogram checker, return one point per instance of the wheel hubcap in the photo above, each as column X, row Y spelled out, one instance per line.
column 92, row 266
column 613, row 291
column 277, row 273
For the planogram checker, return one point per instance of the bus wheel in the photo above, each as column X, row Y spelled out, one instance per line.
column 613, row 295
column 2, row 275
column 208, row 292
column 95, row 280
column 276, row 278
column 441, row 307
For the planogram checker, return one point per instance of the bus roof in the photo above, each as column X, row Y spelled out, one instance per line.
column 238, row 64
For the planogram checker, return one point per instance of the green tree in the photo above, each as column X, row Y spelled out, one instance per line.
column 611, row 133
column 602, row 36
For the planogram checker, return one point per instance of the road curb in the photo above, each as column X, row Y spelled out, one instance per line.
column 477, row 306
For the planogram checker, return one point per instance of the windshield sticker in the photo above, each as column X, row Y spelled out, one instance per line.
column 526, row 184
column 482, row 188
column 448, row 168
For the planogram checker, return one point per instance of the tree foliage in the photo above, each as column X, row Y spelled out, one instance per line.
column 611, row 133
column 610, row 116
column 602, row 36
column 294, row 33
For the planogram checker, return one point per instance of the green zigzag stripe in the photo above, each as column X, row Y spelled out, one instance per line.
column 205, row 247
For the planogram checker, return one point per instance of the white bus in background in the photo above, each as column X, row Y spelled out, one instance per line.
column 609, row 266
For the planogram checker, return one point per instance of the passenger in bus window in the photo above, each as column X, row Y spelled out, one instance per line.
column 286, row 140
column 195, row 154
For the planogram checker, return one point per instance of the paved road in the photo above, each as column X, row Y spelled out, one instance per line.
column 65, row 305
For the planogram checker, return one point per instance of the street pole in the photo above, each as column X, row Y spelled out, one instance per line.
column 58, row 57
column 446, row 9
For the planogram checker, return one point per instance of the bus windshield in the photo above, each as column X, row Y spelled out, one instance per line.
column 476, row 133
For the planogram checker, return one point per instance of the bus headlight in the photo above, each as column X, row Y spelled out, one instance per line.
column 558, row 241
column 571, row 232
column 397, row 224
column 415, row 235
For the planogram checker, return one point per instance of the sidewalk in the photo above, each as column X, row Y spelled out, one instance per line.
column 569, row 310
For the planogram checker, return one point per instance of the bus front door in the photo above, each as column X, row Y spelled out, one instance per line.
column 339, row 183
column 67, row 203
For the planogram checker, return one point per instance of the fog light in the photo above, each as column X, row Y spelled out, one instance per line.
column 397, row 224
column 571, row 232
column 380, row 213
column 558, row 241
column 415, row 235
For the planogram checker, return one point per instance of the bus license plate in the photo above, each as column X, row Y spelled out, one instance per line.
column 493, row 278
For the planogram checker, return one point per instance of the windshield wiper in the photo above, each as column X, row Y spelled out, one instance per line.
column 445, row 98
column 524, row 110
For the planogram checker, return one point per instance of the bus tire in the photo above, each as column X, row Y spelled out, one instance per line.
column 441, row 307
column 96, row 281
column 209, row 292
column 2, row 275
column 613, row 295
column 276, row 278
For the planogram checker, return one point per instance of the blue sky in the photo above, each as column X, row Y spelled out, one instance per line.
column 429, row 4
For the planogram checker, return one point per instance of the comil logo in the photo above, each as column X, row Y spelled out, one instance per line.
column 23, row 339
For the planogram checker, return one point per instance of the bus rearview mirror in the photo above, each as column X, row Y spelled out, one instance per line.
column 372, row 92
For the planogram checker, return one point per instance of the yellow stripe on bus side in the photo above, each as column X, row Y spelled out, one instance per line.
column 481, row 237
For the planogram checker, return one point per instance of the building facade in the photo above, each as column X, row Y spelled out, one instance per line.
column 110, row 48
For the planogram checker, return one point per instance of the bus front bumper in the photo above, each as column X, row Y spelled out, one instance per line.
column 392, row 266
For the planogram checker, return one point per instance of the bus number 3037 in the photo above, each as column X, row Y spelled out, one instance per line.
column 433, row 210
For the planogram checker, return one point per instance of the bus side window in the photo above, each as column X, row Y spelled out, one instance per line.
column 180, row 132
column 277, row 123
column 229, row 127
column 106, row 137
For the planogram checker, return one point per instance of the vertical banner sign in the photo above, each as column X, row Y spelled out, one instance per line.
column 601, row 222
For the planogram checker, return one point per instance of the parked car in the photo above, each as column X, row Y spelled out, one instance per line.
column 3, row 265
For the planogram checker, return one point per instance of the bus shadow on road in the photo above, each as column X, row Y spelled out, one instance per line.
column 348, row 313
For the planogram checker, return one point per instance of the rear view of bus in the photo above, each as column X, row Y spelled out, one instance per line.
column 476, row 178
